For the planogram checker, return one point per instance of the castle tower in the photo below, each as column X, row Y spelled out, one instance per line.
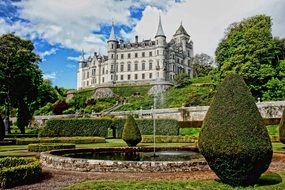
column 160, row 43
column 182, row 37
column 112, row 55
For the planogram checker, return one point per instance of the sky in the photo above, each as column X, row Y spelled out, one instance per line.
column 61, row 29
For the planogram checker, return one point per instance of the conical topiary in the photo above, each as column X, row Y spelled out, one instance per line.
column 233, row 139
column 131, row 133
column 282, row 128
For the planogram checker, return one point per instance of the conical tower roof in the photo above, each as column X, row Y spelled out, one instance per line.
column 181, row 30
column 159, row 29
column 112, row 36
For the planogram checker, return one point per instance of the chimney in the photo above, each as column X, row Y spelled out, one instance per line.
column 137, row 39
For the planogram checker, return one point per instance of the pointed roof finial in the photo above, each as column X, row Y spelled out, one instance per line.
column 159, row 29
column 82, row 55
column 112, row 36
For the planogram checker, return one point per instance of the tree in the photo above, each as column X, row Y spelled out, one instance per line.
column 282, row 128
column 181, row 80
column 202, row 64
column 131, row 133
column 20, row 76
column 250, row 50
column 233, row 139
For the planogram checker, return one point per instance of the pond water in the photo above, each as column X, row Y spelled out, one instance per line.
column 137, row 156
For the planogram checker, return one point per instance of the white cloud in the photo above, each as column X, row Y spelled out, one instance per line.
column 71, row 66
column 52, row 51
column 50, row 76
column 70, row 58
column 206, row 20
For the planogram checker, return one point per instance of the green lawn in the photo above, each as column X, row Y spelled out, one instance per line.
column 269, row 181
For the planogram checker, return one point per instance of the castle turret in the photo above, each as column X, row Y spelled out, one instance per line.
column 182, row 37
column 112, row 54
column 160, row 43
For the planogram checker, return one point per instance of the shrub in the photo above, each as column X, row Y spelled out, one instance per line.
column 282, row 128
column 169, row 139
column 131, row 133
column 47, row 147
column 73, row 140
column 19, row 171
column 99, row 127
column 233, row 139
column 2, row 129
column 59, row 106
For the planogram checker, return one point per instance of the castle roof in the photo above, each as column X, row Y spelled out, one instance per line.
column 181, row 30
column 112, row 36
column 159, row 29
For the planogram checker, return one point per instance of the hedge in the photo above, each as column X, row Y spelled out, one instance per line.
column 17, row 135
column 65, row 127
column 73, row 140
column 19, row 171
column 46, row 147
column 169, row 139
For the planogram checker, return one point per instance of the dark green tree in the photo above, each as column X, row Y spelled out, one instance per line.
column 181, row 80
column 250, row 50
column 202, row 65
column 20, row 76
column 233, row 139
column 131, row 133
column 282, row 128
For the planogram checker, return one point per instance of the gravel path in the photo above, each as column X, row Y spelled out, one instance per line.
column 55, row 179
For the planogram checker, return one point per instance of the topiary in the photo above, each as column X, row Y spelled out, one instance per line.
column 131, row 133
column 233, row 139
column 282, row 128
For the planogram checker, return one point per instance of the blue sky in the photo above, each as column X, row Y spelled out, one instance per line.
column 60, row 29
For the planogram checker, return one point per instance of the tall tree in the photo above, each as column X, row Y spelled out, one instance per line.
column 202, row 64
column 20, row 76
column 250, row 50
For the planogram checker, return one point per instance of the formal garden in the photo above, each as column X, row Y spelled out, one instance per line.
column 233, row 149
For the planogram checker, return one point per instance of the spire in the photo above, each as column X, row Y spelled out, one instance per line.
column 181, row 30
column 159, row 29
column 112, row 34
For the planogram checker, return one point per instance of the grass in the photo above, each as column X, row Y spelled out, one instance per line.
column 269, row 181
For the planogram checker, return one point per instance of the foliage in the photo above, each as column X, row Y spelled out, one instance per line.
column 48, row 147
column 136, row 103
column 128, row 91
column 20, row 76
column 73, row 140
column 19, row 171
column 69, row 111
column 99, row 127
column 182, row 80
column 233, row 139
column 59, row 106
column 282, row 128
column 189, row 132
column 45, row 110
column 202, row 65
column 131, row 133
column 274, row 90
column 2, row 129
column 249, row 50
column 168, row 139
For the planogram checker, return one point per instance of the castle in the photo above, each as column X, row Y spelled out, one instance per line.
column 145, row 62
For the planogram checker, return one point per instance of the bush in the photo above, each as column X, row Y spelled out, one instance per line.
column 131, row 133
column 66, row 127
column 73, row 140
column 282, row 128
column 19, row 171
column 169, row 139
column 19, row 135
column 59, row 106
column 2, row 129
column 233, row 139
column 47, row 147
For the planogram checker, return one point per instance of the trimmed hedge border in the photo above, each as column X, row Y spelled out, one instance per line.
column 72, row 140
column 66, row 127
column 169, row 139
column 19, row 171
column 16, row 135
column 46, row 147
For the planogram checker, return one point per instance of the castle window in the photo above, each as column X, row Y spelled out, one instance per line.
column 143, row 76
column 122, row 56
column 150, row 66
column 122, row 77
column 129, row 77
column 112, row 56
column 136, row 55
column 111, row 77
column 87, row 83
column 143, row 54
column 117, row 56
column 129, row 67
column 157, row 52
column 116, row 77
column 156, row 42
column 136, row 66
column 103, row 70
column 112, row 46
column 87, row 74
column 129, row 55
column 102, row 79
column 136, row 76
column 150, row 53
column 150, row 75
column 122, row 67
column 93, row 72
column 143, row 66
column 117, row 68
column 112, row 68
